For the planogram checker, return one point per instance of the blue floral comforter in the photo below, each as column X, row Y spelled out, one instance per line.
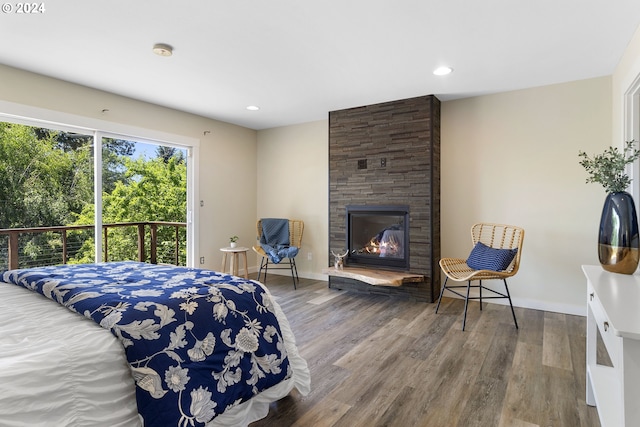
column 198, row 342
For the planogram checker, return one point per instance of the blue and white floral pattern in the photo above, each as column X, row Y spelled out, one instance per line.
column 198, row 342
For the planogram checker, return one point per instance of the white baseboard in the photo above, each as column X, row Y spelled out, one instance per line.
column 536, row 305
column 284, row 272
column 575, row 310
column 554, row 307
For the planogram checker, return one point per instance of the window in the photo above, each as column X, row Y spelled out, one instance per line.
column 145, row 182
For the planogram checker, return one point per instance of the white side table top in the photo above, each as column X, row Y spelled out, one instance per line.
column 236, row 249
column 619, row 295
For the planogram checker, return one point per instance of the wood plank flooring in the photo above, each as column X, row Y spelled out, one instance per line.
column 382, row 361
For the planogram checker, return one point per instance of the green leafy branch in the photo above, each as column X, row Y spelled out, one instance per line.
column 608, row 168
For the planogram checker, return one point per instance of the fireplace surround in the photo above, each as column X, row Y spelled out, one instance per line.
column 388, row 154
column 378, row 236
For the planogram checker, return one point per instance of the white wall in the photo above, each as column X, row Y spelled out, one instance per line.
column 227, row 164
column 626, row 103
column 293, row 165
column 627, row 71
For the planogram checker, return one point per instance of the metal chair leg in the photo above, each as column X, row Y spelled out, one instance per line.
column 260, row 270
column 292, row 266
column 295, row 267
column 480, row 297
column 510, row 304
column 444, row 286
column 466, row 304
column 266, row 267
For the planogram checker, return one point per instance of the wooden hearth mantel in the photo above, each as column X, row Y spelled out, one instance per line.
column 375, row 276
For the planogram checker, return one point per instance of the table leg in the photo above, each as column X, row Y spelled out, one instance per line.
column 224, row 262
column 246, row 273
column 234, row 263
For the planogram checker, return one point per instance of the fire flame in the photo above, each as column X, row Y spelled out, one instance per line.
column 388, row 247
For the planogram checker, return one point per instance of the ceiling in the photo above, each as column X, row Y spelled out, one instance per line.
column 299, row 59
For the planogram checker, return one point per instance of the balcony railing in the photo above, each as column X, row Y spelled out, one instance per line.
column 60, row 249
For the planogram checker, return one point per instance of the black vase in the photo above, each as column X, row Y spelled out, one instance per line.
column 618, row 239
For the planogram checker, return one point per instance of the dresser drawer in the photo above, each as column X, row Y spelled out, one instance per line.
column 611, row 341
column 612, row 313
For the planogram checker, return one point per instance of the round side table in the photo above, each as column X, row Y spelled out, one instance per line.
column 234, row 260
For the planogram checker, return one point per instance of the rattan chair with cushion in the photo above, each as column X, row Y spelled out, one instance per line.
column 296, row 228
column 496, row 253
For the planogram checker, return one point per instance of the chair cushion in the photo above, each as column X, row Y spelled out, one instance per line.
column 483, row 257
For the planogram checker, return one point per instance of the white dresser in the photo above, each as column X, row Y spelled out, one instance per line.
column 613, row 308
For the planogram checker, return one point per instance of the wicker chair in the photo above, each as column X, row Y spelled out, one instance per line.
column 296, row 227
column 496, row 236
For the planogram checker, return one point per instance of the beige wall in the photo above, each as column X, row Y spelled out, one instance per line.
column 293, row 183
column 227, row 162
column 513, row 158
column 510, row 158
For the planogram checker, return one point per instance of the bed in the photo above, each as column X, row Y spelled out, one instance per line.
column 134, row 344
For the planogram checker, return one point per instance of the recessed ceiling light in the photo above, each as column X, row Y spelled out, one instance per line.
column 442, row 71
column 253, row 108
column 162, row 49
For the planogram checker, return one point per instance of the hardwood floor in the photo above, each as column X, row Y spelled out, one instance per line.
column 381, row 361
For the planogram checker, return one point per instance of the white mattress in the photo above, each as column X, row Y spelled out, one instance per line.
column 51, row 378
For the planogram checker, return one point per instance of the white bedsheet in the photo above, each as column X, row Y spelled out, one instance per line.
column 50, row 378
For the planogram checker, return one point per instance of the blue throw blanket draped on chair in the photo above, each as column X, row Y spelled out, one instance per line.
column 275, row 239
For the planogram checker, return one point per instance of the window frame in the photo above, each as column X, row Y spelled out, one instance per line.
column 33, row 116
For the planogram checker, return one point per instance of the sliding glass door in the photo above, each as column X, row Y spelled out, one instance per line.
column 144, row 201
column 52, row 183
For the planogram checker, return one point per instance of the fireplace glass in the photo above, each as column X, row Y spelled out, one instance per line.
column 378, row 236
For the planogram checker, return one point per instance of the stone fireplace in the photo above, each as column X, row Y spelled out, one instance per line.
column 382, row 157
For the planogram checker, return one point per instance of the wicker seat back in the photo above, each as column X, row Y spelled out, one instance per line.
column 296, row 229
column 495, row 236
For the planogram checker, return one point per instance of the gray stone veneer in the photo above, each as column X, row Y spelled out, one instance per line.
column 400, row 143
